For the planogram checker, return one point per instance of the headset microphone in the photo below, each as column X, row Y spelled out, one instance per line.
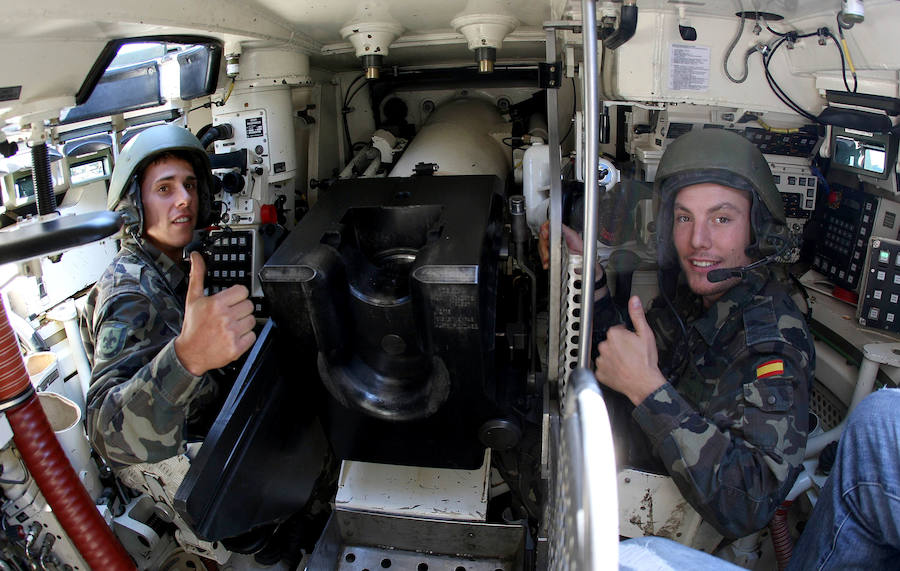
column 715, row 276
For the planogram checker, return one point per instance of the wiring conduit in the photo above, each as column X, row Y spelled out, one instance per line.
column 49, row 466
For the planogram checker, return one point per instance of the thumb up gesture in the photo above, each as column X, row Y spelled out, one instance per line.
column 217, row 329
column 628, row 361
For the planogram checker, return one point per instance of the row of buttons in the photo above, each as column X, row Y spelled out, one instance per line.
column 841, row 224
column 799, row 181
column 229, row 257
column 826, row 267
column 878, row 293
column 792, row 200
column 229, row 274
column 880, row 275
column 800, row 144
column 839, row 247
column 874, row 312
column 884, row 257
column 230, row 240
column 841, row 236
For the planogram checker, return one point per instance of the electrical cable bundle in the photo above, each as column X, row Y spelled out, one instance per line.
column 767, row 52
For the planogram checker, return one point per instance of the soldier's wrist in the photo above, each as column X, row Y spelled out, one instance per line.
column 184, row 356
column 639, row 394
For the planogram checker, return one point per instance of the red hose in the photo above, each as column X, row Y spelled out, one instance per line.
column 49, row 466
column 781, row 536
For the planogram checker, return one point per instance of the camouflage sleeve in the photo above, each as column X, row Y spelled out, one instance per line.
column 140, row 392
column 736, row 464
column 606, row 315
column 666, row 329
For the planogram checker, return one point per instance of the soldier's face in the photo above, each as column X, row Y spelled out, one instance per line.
column 169, row 196
column 711, row 230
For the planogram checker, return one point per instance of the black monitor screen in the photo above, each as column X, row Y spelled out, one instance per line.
column 24, row 188
column 863, row 153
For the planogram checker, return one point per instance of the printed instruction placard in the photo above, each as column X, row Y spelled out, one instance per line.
column 688, row 67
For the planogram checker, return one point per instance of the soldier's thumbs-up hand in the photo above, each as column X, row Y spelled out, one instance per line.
column 628, row 361
column 217, row 329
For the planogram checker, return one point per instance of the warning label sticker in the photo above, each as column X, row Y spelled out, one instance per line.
column 254, row 127
column 688, row 67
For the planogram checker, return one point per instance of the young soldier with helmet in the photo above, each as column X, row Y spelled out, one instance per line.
column 153, row 338
column 719, row 369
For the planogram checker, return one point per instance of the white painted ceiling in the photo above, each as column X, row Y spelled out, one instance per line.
column 48, row 46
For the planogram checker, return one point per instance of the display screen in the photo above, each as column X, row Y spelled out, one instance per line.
column 86, row 172
column 866, row 155
column 24, row 188
column 863, row 153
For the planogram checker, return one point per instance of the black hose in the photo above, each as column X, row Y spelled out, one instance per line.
column 627, row 25
column 219, row 132
column 43, row 181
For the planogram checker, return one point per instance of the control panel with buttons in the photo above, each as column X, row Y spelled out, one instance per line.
column 851, row 218
column 234, row 257
column 798, row 186
column 879, row 304
column 802, row 143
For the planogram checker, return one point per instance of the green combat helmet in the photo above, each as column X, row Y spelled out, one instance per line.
column 726, row 158
column 124, row 187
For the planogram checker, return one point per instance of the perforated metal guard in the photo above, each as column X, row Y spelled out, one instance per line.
column 561, row 534
column 582, row 508
column 827, row 406
column 563, row 504
column 570, row 307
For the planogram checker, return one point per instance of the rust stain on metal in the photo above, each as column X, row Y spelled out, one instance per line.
column 672, row 525
column 645, row 523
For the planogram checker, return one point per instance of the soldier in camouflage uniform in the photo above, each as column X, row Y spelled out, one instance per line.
column 717, row 373
column 719, row 377
column 153, row 338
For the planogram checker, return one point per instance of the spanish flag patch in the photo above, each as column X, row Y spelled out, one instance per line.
column 770, row 369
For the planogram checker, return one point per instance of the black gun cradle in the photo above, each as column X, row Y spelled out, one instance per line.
column 391, row 284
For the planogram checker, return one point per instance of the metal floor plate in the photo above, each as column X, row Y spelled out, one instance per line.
column 361, row 558
column 363, row 541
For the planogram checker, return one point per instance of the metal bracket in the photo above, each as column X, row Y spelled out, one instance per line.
column 549, row 75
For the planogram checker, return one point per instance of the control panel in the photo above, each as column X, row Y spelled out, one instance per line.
column 851, row 218
column 879, row 304
column 235, row 257
column 798, row 186
column 250, row 132
column 801, row 143
column 244, row 190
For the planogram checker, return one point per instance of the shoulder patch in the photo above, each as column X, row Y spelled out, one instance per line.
column 133, row 270
column 761, row 323
column 770, row 369
column 111, row 339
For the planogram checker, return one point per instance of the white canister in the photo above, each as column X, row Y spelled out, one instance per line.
column 65, row 420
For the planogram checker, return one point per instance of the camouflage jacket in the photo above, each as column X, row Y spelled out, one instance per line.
column 141, row 396
column 731, row 424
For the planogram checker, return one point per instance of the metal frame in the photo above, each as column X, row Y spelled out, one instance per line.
column 591, row 143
